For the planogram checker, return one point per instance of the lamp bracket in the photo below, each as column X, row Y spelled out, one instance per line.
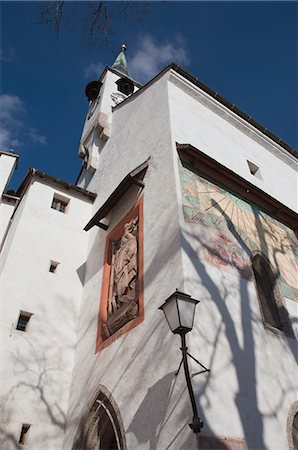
column 197, row 425
column 198, row 362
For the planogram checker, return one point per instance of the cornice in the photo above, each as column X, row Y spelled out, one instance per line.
column 34, row 173
column 225, row 177
column 232, row 117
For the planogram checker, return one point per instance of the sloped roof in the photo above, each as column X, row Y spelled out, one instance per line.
column 64, row 184
column 231, row 106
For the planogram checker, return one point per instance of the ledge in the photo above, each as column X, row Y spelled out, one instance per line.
column 133, row 177
column 69, row 186
column 227, row 178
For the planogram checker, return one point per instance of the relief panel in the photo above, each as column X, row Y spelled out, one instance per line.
column 122, row 299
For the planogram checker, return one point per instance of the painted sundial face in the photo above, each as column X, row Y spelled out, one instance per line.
column 207, row 204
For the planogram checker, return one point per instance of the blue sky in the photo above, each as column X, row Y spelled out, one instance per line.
column 247, row 51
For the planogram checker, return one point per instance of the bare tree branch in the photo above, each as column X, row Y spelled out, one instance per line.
column 52, row 13
column 94, row 18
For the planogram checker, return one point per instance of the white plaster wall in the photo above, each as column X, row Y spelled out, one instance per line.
column 249, row 365
column 7, row 166
column 84, row 179
column 138, row 369
column 292, row 308
column 199, row 120
column 252, row 379
column 37, row 365
column 6, row 210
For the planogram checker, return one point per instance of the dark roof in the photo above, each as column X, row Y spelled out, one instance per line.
column 34, row 172
column 9, row 198
column 11, row 153
column 220, row 174
column 134, row 177
column 120, row 74
column 232, row 107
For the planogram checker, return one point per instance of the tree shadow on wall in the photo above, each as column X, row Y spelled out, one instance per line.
column 244, row 358
column 243, row 354
column 35, row 384
column 151, row 413
column 37, row 370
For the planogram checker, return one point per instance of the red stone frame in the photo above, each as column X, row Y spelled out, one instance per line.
column 115, row 234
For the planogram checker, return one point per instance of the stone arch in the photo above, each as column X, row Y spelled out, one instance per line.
column 292, row 426
column 101, row 427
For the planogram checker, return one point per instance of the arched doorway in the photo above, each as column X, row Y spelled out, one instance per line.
column 101, row 427
column 292, row 426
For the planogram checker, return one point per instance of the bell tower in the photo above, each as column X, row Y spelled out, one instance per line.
column 112, row 87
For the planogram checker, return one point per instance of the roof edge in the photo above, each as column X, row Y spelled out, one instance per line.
column 4, row 152
column 241, row 187
column 232, row 107
column 9, row 197
column 122, row 75
column 133, row 177
column 116, row 72
column 38, row 173
column 222, row 100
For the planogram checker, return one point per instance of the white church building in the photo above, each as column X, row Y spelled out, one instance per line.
column 179, row 190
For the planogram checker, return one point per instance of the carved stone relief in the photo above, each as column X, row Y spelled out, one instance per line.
column 122, row 304
column 118, row 97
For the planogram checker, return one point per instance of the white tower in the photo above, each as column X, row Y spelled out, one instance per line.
column 113, row 86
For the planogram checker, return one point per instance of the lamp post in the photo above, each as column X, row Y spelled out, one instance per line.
column 179, row 310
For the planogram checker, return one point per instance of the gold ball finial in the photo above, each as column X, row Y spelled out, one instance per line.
column 123, row 47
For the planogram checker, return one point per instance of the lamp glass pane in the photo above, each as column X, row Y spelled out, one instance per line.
column 171, row 313
column 187, row 311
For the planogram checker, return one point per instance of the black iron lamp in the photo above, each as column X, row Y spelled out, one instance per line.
column 179, row 310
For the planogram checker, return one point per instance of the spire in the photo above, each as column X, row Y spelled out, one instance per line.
column 120, row 63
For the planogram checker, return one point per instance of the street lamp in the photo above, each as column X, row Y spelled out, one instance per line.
column 179, row 310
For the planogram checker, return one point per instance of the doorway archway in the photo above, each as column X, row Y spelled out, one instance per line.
column 292, row 426
column 101, row 427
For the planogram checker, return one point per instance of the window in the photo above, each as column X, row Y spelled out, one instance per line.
column 265, row 287
column 53, row 266
column 60, row 203
column 275, row 315
column 254, row 169
column 23, row 321
column 24, row 434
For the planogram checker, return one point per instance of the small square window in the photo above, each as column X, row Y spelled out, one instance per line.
column 23, row 321
column 59, row 203
column 254, row 169
column 53, row 266
column 24, row 434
